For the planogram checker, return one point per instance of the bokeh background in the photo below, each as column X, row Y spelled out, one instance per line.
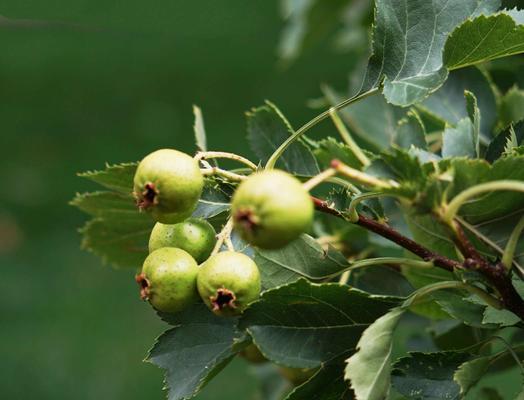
column 88, row 82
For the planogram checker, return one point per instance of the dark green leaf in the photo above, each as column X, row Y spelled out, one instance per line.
column 511, row 108
column 327, row 384
column 448, row 106
column 329, row 149
column 215, row 200
column 303, row 325
column 497, row 146
column 195, row 350
column 408, row 40
column 428, row 376
column 267, row 130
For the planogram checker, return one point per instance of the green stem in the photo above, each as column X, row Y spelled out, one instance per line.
column 230, row 176
column 206, row 155
column 352, row 209
column 318, row 179
column 511, row 246
column 346, row 136
column 455, row 204
column 361, row 177
column 488, row 299
column 304, row 128
column 224, row 236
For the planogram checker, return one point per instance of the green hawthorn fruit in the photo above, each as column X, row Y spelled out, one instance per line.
column 196, row 236
column 168, row 183
column 297, row 376
column 271, row 209
column 252, row 354
column 168, row 279
column 228, row 282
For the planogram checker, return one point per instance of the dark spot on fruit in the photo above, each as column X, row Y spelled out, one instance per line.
column 148, row 197
column 224, row 298
column 144, row 284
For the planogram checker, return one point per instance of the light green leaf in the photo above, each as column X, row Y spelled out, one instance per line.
column 470, row 372
column 329, row 149
column 195, row 350
column 474, row 116
column 408, row 40
column 303, row 257
column 199, row 129
column 482, row 39
column 459, row 141
column 369, row 369
column 303, row 325
column 267, row 129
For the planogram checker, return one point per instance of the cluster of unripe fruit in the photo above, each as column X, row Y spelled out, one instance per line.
column 269, row 210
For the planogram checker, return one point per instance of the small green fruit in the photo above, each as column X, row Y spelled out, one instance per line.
column 168, row 183
column 297, row 376
column 252, row 354
column 196, row 236
column 271, row 209
column 228, row 282
column 168, row 279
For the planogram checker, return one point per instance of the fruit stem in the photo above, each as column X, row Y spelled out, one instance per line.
column 304, row 128
column 346, row 136
column 206, row 155
column 361, row 177
column 231, row 176
column 511, row 246
column 355, row 201
column 224, row 236
column 318, row 179
column 454, row 205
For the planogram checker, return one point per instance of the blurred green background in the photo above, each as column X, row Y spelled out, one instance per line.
column 88, row 82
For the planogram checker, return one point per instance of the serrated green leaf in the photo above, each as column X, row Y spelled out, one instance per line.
column 330, row 149
column 199, row 129
column 267, row 130
column 303, row 257
column 459, row 141
column 369, row 369
column 482, row 39
column 497, row 146
column 122, row 243
column 428, row 376
column 195, row 350
column 108, row 205
column 408, row 40
column 117, row 177
column 411, row 132
column 327, row 384
column 303, row 325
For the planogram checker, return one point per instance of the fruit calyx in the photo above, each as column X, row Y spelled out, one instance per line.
column 247, row 220
column 144, row 286
column 224, row 298
column 148, row 197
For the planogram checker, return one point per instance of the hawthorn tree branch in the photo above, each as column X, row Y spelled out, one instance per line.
column 496, row 274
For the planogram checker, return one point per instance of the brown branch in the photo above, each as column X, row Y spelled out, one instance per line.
column 495, row 274
column 396, row 237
